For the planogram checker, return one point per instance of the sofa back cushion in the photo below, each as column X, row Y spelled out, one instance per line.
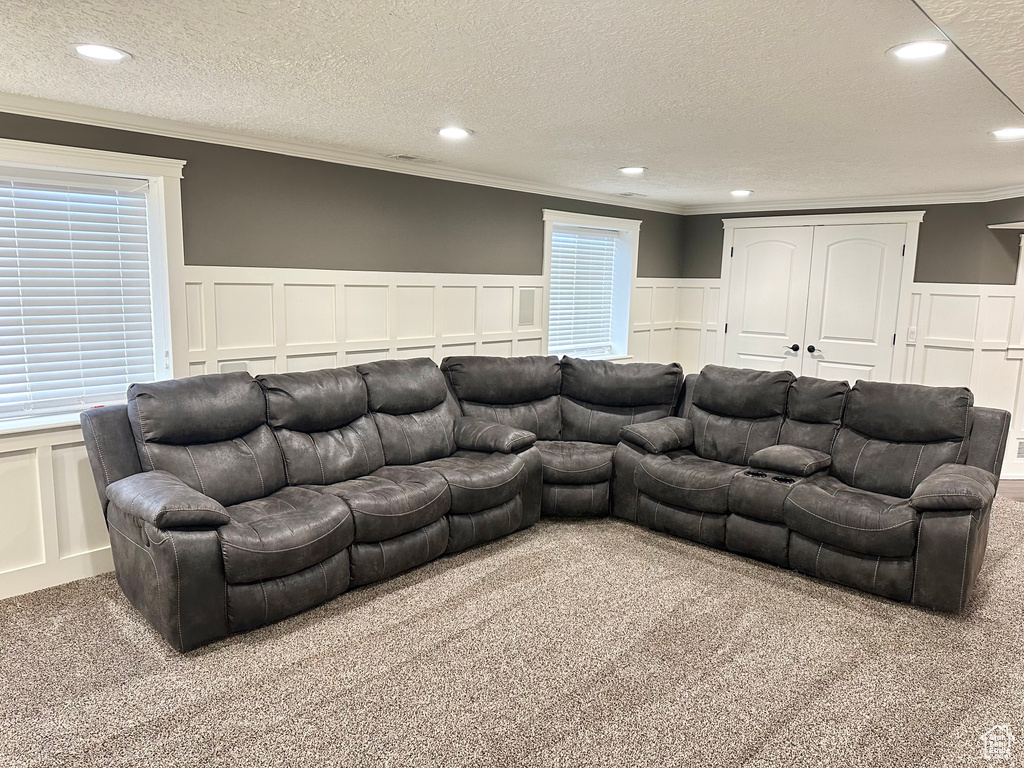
column 737, row 412
column 209, row 431
column 598, row 398
column 412, row 408
column 813, row 413
column 322, row 425
column 894, row 435
column 520, row 392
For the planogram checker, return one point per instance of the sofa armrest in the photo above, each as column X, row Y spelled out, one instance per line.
column 955, row 487
column 666, row 434
column 164, row 501
column 482, row 435
column 791, row 460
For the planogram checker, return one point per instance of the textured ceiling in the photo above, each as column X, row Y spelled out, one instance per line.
column 795, row 99
column 991, row 32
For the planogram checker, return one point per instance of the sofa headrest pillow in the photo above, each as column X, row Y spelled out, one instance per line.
column 622, row 385
column 742, row 393
column 909, row 413
column 200, row 409
column 503, row 380
column 403, row 386
column 817, row 401
column 314, row 401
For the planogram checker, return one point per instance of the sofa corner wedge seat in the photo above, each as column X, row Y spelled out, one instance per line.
column 233, row 502
column 575, row 407
column 887, row 488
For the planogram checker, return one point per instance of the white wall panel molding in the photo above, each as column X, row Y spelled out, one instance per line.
column 675, row 320
column 971, row 335
column 274, row 320
column 53, row 528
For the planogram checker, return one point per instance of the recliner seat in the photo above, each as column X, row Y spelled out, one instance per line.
column 816, row 476
column 233, row 502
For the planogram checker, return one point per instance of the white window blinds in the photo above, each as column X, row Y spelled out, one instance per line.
column 76, row 315
column 581, row 311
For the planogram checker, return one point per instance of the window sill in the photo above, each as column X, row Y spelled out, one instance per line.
column 39, row 423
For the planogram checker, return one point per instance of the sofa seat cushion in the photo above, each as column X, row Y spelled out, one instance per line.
column 284, row 533
column 686, row 481
column 869, row 523
column 479, row 481
column 575, row 462
column 392, row 501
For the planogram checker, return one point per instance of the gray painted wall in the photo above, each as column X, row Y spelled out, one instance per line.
column 956, row 245
column 257, row 209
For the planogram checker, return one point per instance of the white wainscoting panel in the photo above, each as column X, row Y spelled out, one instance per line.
column 51, row 522
column 675, row 320
column 970, row 335
column 275, row 320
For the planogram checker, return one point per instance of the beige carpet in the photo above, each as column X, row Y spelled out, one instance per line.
column 571, row 644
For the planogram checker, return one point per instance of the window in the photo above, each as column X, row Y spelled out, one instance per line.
column 76, row 292
column 590, row 266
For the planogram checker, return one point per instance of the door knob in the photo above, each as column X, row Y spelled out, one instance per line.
column 811, row 348
column 794, row 348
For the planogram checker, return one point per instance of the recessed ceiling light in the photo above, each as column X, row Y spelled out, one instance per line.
column 1009, row 133
column 454, row 132
column 101, row 52
column 632, row 170
column 742, row 192
column 923, row 49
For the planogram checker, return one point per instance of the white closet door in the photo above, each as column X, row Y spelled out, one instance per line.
column 852, row 300
column 768, row 298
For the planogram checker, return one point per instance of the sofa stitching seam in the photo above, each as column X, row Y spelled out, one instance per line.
column 967, row 418
column 488, row 487
column 286, row 549
column 743, row 459
column 917, row 467
column 159, row 583
column 202, row 485
column 259, row 472
column 177, row 584
column 409, row 512
column 963, row 576
column 917, row 556
column 856, row 464
column 103, row 461
column 323, row 474
column 1006, row 419
column 851, row 527
column 585, row 469
column 681, row 487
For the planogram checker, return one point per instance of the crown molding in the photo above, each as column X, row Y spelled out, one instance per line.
column 871, row 201
column 31, row 106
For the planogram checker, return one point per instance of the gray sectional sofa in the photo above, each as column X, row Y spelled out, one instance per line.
column 233, row 502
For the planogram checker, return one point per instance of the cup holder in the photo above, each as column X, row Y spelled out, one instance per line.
column 754, row 473
column 783, row 480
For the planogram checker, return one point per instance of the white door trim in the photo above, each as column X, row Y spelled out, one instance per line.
column 912, row 219
column 826, row 219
